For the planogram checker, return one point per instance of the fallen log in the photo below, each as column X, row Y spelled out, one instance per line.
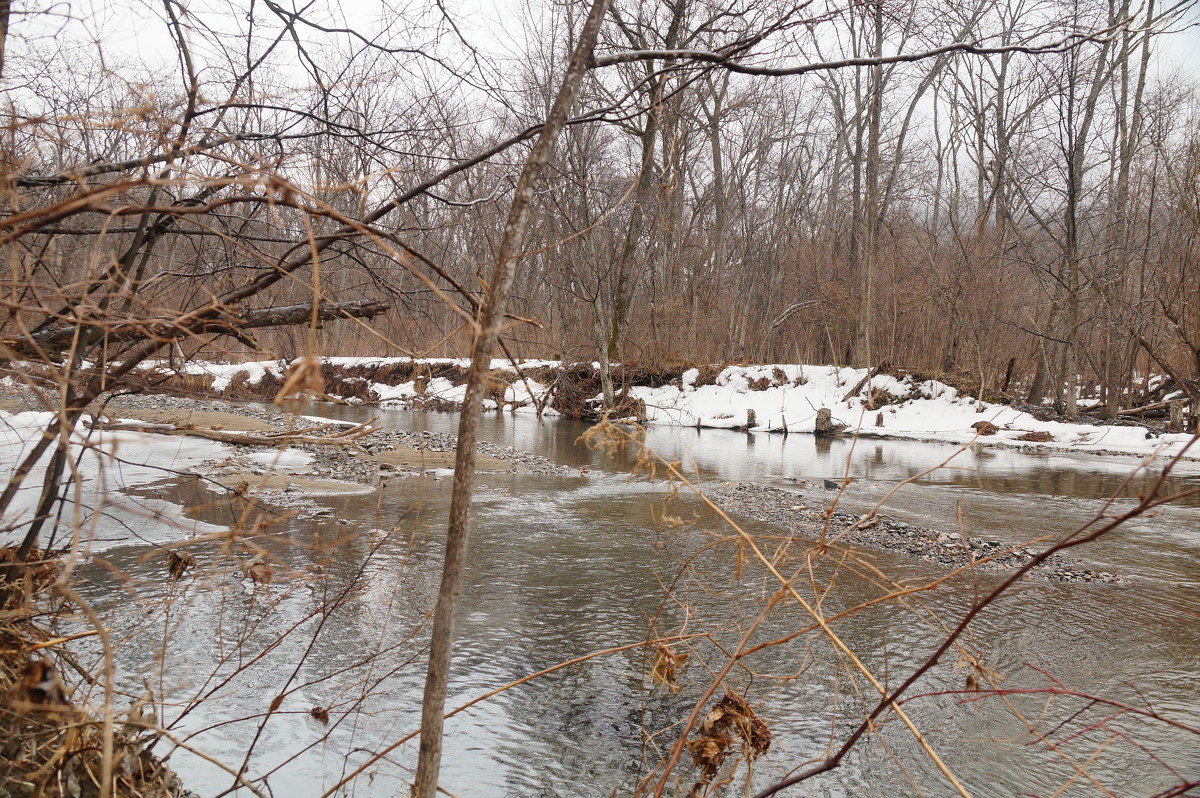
column 52, row 342
column 1150, row 408
column 870, row 375
column 338, row 436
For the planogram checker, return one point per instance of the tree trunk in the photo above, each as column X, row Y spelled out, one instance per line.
column 5, row 10
column 490, row 318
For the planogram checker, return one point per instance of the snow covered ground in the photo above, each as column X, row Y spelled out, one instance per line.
column 781, row 396
column 927, row 410
column 105, row 467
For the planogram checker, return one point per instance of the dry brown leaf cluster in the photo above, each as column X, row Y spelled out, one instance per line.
column 179, row 563
column 49, row 747
column 665, row 669
column 260, row 571
column 304, row 378
column 730, row 720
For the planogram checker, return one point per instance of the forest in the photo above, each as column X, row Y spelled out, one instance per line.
column 974, row 202
column 1005, row 190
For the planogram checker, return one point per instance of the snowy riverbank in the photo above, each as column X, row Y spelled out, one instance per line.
column 130, row 476
column 766, row 398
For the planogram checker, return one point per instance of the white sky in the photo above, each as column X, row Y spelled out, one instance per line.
column 136, row 28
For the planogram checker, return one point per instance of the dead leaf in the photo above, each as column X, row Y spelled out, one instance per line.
column 985, row 428
column 320, row 714
column 665, row 667
column 179, row 563
column 730, row 719
column 39, row 686
column 303, row 378
column 977, row 672
column 260, row 571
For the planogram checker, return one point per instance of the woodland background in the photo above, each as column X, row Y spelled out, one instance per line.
column 1007, row 189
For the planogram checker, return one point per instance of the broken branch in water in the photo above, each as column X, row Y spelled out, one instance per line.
column 322, row 435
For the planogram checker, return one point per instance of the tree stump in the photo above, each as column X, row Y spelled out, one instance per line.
column 1175, row 424
column 824, row 423
column 751, row 419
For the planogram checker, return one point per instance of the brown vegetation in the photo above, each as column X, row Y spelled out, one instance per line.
column 701, row 192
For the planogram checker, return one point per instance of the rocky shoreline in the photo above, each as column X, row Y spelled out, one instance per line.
column 360, row 463
column 293, row 476
column 787, row 509
column 269, row 475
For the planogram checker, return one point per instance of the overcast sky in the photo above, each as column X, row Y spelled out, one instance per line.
column 136, row 27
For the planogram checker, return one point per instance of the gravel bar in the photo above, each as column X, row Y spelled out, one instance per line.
column 787, row 509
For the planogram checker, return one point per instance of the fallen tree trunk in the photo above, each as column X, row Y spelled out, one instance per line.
column 343, row 436
column 1150, row 408
column 52, row 343
column 870, row 375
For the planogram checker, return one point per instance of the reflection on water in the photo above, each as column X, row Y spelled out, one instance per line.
column 562, row 567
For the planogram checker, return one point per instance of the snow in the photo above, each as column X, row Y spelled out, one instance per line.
column 781, row 396
column 941, row 415
column 223, row 374
column 520, row 392
column 105, row 469
column 282, row 459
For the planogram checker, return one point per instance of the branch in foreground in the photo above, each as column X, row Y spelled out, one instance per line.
column 490, row 318
column 725, row 60
column 108, row 167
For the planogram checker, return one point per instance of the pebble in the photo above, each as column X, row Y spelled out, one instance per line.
column 778, row 507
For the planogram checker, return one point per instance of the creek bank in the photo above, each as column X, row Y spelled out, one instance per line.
column 285, row 474
column 295, row 476
column 880, row 402
column 790, row 510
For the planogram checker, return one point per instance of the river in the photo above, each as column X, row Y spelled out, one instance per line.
column 563, row 566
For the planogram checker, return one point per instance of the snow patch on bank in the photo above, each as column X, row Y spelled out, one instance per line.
column 939, row 413
column 222, row 374
column 781, row 396
column 106, row 465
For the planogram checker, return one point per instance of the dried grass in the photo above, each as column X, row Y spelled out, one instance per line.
column 49, row 746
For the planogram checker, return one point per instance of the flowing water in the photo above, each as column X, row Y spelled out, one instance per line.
column 565, row 566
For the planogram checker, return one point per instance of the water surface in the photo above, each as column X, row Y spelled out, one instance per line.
column 561, row 567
